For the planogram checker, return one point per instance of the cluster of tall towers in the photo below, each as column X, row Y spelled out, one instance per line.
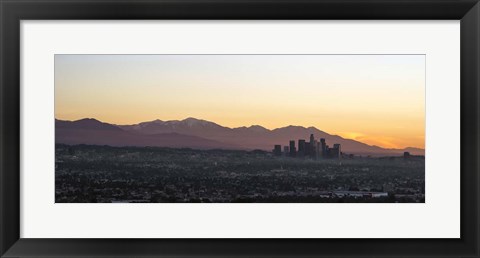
column 312, row 149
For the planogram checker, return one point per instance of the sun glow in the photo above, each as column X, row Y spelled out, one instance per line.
column 375, row 99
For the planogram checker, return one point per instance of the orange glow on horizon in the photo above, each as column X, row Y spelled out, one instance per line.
column 377, row 100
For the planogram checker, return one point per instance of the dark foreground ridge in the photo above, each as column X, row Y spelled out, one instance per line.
column 86, row 174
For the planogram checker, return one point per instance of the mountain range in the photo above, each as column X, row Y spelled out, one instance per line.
column 202, row 134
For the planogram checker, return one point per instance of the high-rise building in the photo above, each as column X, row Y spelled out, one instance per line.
column 277, row 150
column 286, row 150
column 293, row 150
column 301, row 148
column 308, row 149
column 311, row 150
column 323, row 147
column 336, row 151
column 318, row 150
column 314, row 147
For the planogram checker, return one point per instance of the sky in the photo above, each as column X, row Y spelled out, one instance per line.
column 375, row 99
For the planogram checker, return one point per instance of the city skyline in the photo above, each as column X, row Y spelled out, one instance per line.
column 378, row 100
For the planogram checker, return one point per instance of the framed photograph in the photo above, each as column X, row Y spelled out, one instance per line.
column 239, row 128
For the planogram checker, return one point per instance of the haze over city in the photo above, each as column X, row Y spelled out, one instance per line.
column 375, row 99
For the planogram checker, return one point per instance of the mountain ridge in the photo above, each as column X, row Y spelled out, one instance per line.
column 251, row 137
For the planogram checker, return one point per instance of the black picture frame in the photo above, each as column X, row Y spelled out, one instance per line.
column 13, row 11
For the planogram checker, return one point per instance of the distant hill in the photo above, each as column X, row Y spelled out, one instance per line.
column 94, row 132
column 85, row 124
column 197, row 133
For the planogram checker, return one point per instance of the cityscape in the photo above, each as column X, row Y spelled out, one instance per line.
column 312, row 149
column 313, row 173
column 239, row 128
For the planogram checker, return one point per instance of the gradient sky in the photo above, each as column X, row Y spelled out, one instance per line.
column 376, row 99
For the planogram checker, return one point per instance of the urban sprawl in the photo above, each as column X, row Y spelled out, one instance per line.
column 313, row 173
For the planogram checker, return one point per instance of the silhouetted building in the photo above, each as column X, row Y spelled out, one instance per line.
column 308, row 149
column 336, row 151
column 293, row 150
column 318, row 150
column 406, row 155
column 301, row 148
column 323, row 147
column 277, row 151
column 286, row 150
column 311, row 148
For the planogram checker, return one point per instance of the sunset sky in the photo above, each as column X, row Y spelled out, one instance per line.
column 375, row 99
